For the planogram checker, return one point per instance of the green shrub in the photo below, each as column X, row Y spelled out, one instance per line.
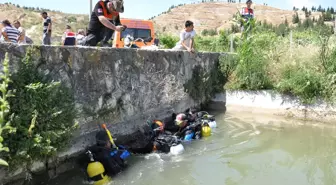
column 228, row 64
column 205, row 32
column 302, row 82
column 5, row 118
column 212, row 32
column 168, row 41
column 213, row 44
column 72, row 19
column 43, row 115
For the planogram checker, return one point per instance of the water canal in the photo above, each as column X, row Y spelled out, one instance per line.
column 245, row 149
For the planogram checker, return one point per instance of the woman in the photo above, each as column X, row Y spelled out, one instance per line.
column 9, row 32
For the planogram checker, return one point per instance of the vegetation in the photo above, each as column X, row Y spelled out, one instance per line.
column 5, row 119
column 267, row 58
column 41, row 111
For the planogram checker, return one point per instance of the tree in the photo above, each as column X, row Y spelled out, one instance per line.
column 296, row 18
column 319, row 9
column 327, row 16
column 294, row 8
column 286, row 22
column 320, row 21
column 332, row 11
column 307, row 23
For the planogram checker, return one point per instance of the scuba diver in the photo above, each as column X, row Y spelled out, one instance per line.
column 106, row 159
column 164, row 141
column 207, row 118
column 167, row 135
column 192, row 125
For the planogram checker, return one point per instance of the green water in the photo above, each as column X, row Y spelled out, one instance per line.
column 244, row 150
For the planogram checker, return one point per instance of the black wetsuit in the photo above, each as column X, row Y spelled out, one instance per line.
column 97, row 31
column 169, row 124
column 110, row 159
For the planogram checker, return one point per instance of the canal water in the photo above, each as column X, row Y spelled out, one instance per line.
column 245, row 149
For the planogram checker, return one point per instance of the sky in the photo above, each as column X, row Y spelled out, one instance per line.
column 144, row 9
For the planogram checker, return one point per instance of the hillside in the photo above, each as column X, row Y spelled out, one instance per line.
column 218, row 15
column 32, row 21
column 209, row 15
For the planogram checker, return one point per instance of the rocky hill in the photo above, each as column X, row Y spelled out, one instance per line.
column 32, row 21
column 218, row 15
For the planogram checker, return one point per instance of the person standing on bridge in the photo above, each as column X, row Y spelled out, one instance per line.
column 104, row 13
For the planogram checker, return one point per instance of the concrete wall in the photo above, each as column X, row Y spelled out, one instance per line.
column 272, row 103
column 120, row 87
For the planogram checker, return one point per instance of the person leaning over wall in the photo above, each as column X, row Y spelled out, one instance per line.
column 104, row 13
column 9, row 33
column 22, row 37
column 69, row 37
column 187, row 38
column 80, row 37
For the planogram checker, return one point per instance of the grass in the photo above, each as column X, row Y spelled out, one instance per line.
column 268, row 59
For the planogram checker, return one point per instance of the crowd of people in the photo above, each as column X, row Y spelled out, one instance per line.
column 15, row 33
column 104, row 21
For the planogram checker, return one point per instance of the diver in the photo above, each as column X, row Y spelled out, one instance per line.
column 164, row 141
column 111, row 158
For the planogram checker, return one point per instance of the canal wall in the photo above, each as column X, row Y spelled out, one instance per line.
column 120, row 87
column 273, row 103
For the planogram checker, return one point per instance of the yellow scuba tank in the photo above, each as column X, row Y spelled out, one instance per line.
column 96, row 171
column 206, row 130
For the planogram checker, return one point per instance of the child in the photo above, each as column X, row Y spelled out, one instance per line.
column 186, row 38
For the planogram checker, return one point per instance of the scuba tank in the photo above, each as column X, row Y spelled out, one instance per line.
column 167, row 143
column 206, row 130
column 188, row 135
column 206, row 116
column 212, row 124
column 176, row 149
column 96, row 171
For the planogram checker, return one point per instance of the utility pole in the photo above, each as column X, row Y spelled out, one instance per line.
column 335, row 25
column 90, row 9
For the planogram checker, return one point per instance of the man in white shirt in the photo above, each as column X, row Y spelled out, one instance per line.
column 186, row 38
column 22, row 37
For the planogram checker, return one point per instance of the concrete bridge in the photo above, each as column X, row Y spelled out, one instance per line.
column 120, row 87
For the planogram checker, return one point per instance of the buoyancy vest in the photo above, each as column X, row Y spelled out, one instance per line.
column 108, row 15
column 247, row 13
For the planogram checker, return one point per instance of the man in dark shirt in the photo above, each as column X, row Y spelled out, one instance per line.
column 46, row 40
column 101, row 26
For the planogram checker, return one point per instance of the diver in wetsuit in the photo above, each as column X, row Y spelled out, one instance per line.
column 111, row 158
